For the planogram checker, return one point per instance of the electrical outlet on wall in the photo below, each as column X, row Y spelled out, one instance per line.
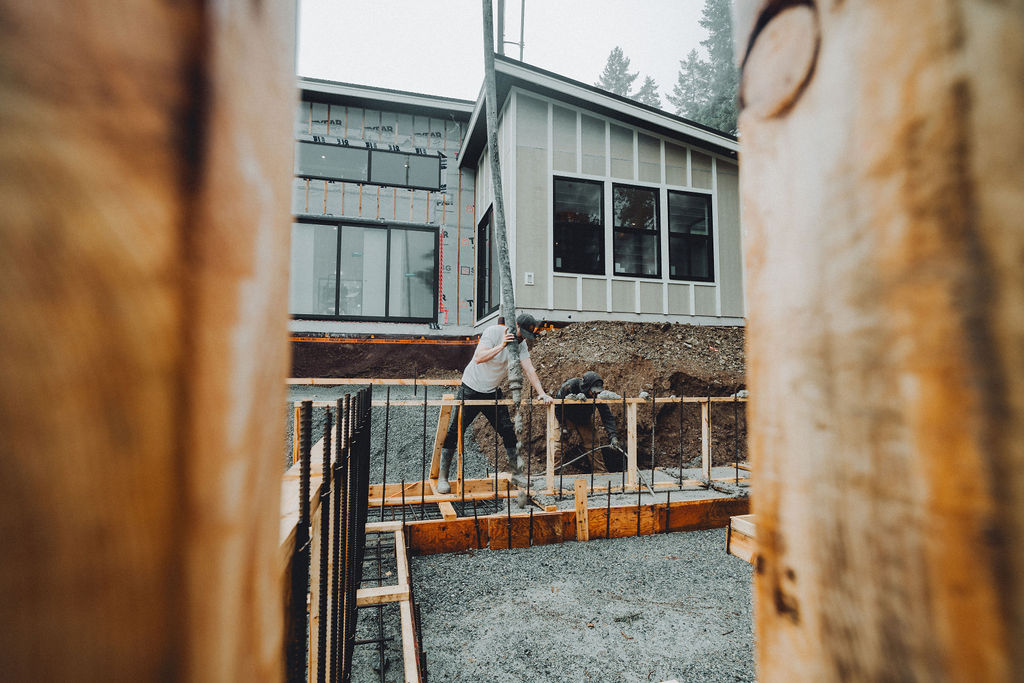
column 527, row 278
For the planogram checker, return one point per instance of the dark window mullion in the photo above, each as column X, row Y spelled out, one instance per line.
column 337, row 272
column 387, row 275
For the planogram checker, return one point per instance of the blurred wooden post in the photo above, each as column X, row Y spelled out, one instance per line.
column 882, row 153
column 145, row 151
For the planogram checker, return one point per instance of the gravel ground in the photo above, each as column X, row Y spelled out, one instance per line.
column 405, row 430
column 650, row 608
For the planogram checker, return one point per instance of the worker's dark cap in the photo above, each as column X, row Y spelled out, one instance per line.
column 527, row 325
column 591, row 381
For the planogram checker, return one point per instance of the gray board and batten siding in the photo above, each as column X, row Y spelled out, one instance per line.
column 614, row 148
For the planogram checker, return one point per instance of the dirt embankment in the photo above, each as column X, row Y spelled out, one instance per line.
column 660, row 359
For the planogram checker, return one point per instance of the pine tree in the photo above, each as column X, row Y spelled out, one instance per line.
column 616, row 77
column 705, row 90
column 648, row 93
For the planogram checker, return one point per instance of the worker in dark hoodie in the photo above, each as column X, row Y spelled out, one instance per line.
column 578, row 419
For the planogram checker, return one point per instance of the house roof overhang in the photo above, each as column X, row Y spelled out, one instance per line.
column 511, row 73
column 383, row 98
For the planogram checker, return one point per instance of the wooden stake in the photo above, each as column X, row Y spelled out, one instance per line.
column 582, row 519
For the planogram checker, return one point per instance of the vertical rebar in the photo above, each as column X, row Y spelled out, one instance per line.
column 653, row 417
column 403, row 505
column 338, row 490
column 608, row 514
column 639, row 493
column 531, row 527
column 736, row 435
column 380, row 613
column 298, row 638
column 668, row 510
column 384, row 474
column 423, row 459
column 681, row 404
column 561, row 449
column 325, row 548
column 476, row 520
column 529, row 441
column 711, row 454
column 625, row 460
column 496, row 454
column 593, row 440
column 508, row 513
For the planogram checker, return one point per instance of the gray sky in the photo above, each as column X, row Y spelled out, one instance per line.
column 436, row 47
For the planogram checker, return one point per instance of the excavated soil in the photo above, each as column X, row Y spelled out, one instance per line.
column 659, row 359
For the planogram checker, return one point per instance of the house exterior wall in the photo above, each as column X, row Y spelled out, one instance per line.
column 448, row 210
column 553, row 139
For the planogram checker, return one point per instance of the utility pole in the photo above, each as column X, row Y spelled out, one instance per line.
column 508, row 304
column 501, row 28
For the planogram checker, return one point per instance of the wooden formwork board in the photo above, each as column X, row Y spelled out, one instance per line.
column 429, row 537
column 742, row 538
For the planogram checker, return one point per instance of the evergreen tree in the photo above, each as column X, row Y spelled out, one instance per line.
column 648, row 93
column 616, row 77
column 705, row 90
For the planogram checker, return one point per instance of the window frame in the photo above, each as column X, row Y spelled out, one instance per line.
column 656, row 233
column 484, row 274
column 390, row 227
column 370, row 153
column 599, row 229
column 689, row 238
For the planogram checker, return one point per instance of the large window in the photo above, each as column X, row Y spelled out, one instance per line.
column 324, row 161
column 488, row 294
column 636, row 243
column 579, row 226
column 690, row 247
column 370, row 273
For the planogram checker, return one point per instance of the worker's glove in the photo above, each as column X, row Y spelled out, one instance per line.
column 615, row 443
column 577, row 397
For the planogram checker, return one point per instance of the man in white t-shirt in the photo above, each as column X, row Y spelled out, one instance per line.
column 480, row 380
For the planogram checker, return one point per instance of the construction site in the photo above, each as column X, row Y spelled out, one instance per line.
column 239, row 305
column 549, row 607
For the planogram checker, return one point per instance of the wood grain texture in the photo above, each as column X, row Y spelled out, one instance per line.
column 886, row 346
column 145, row 165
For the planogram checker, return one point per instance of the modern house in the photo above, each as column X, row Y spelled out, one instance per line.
column 614, row 210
